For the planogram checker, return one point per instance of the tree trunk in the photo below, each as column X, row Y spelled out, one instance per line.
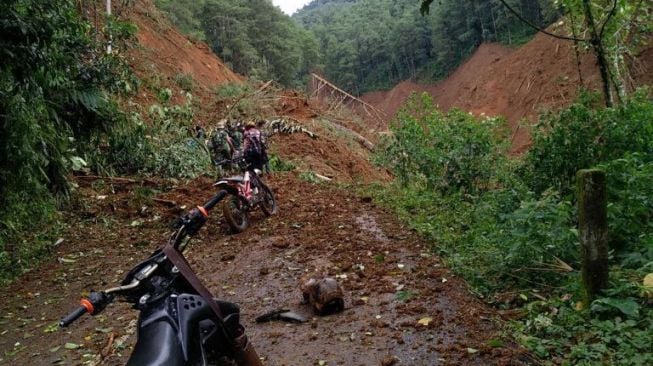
column 599, row 51
column 593, row 229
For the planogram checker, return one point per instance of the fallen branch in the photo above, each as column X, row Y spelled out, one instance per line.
column 319, row 176
column 165, row 202
column 358, row 137
column 107, row 350
column 115, row 180
column 247, row 95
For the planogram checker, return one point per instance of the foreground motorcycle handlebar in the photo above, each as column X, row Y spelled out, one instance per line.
column 94, row 304
column 188, row 224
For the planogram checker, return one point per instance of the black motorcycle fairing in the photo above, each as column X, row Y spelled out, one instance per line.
column 194, row 315
column 168, row 331
column 158, row 341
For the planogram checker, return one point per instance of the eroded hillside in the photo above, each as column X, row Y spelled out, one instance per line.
column 518, row 84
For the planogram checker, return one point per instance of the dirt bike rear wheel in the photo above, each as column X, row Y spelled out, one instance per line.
column 236, row 213
column 268, row 202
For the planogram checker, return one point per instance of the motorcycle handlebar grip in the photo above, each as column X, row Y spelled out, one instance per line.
column 214, row 201
column 74, row 315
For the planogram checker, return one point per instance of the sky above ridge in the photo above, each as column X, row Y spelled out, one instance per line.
column 290, row 6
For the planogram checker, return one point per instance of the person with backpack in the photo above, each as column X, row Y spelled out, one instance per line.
column 236, row 133
column 264, row 145
column 220, row 146
column 253, row 146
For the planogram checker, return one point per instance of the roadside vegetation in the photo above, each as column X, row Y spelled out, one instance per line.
column 64, row 109
column 508, row 226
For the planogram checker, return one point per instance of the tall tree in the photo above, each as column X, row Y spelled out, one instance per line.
column 396, row 43
column 252, row 36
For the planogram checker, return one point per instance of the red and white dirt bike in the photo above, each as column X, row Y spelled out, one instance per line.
column 245, row 193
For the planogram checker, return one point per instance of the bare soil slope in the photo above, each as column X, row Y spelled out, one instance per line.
column 543, row 74
column 166, row 51
column 162, row 58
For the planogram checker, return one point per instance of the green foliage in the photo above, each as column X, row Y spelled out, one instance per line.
column 309, row 176
column 621, row 335
column 278, row 165
column 398, row 43
column 614, row 30
column 447, row 152
column 184, row 81
column 232, row 90
column 164, row 147
column 582, row 136
column 56, row 87
column 514, row 228
column 183, row 14
column 253, row 37
column 630, row 209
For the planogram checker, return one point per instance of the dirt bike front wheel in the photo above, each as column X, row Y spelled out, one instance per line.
column 268, row 202
column 236, row 213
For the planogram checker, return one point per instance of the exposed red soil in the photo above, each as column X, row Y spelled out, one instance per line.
column 328, row 157
column 165, row 58
column 318, row 228
column 497, row 81
column 333, row 155
column 172, row 53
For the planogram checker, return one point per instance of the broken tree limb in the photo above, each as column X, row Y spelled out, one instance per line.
column 358, row 137
column 324, row 178
column 246, row 95
column 343, row 96
column 165, row 202
column 114, row 180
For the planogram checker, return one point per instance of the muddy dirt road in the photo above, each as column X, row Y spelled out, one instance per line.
column 390, row 278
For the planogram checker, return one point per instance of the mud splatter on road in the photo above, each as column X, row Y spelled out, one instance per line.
column 402, row 306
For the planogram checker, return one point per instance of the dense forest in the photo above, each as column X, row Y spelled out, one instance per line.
column 361, row 45
column 373, row 44
column 253, row 37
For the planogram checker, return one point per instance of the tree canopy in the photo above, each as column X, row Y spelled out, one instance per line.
column 373, row 44
column 252, row 36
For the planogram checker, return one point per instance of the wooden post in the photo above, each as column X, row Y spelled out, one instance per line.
column 593, row 229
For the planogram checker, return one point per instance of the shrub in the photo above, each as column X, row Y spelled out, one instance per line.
column 512, row 229
column 184, row 81
column 582, row 136
column 56, row 95
column 630, row 208
column 278, row 165
column 447, row 152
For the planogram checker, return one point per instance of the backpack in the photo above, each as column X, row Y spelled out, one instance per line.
column 253, row 144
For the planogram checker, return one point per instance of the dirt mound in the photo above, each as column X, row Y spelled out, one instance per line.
column 543, row 74
column 163, row 48
column 333, row 154
column 165, row 58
